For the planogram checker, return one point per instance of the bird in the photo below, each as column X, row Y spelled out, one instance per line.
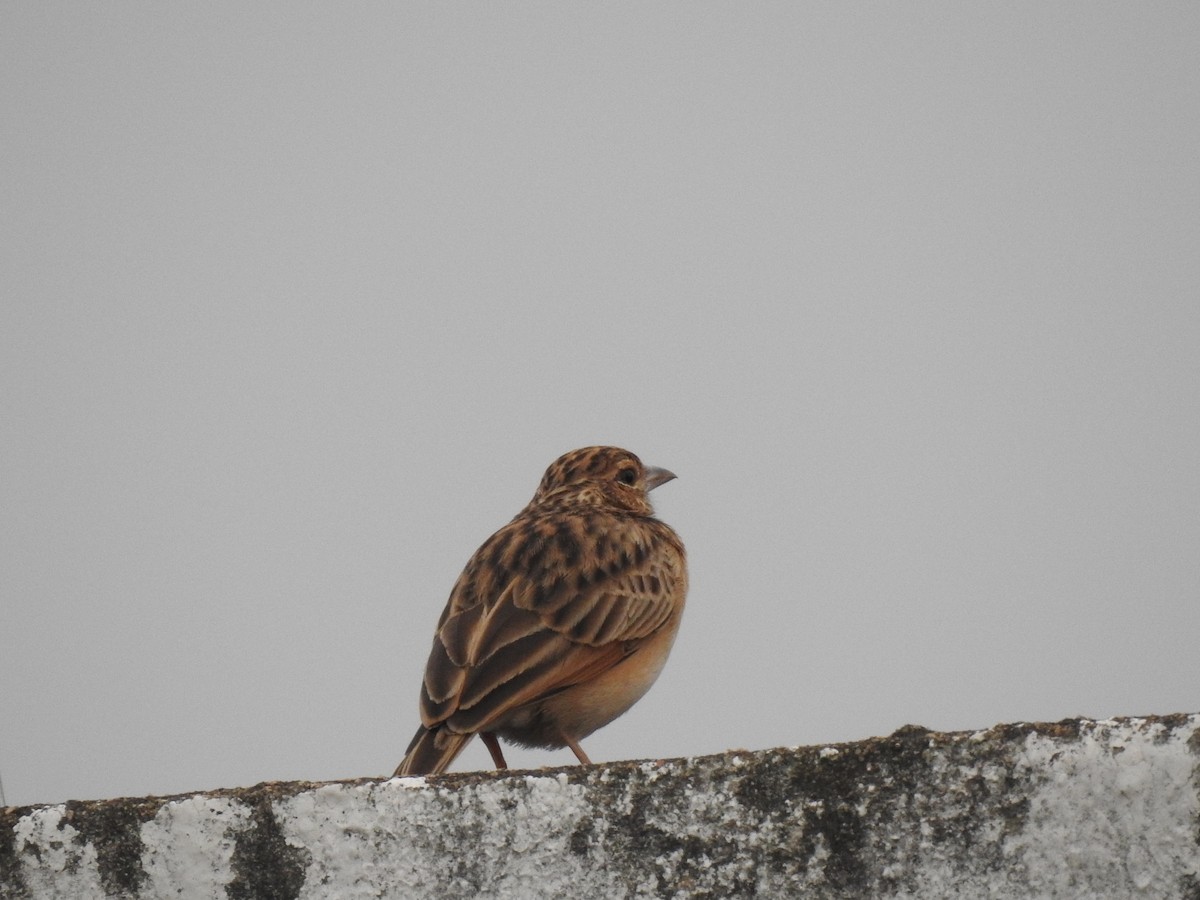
column 561, row 620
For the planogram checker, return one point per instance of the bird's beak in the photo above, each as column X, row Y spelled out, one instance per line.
column 656, row 476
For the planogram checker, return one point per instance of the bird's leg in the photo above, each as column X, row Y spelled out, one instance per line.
column 493, row 744
column 577, row 750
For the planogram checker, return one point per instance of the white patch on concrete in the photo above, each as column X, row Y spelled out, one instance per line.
column 1118, row 806
column 188, row 846
column 394, row 839
column 54, row 861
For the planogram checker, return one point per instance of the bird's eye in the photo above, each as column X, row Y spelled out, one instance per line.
column 627, row 476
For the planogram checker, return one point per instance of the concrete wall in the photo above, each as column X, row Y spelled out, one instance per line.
column 1074, row 809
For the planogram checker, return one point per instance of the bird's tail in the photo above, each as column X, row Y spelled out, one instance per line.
column 431, row 751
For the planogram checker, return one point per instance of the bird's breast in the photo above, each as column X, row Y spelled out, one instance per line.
column 584, row 708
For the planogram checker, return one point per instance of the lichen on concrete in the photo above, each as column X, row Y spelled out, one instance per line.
column 1074, row 809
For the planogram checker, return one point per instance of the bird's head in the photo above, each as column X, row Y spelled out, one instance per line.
column 602, row 477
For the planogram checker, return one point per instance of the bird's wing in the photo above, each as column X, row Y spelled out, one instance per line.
column 566, row 608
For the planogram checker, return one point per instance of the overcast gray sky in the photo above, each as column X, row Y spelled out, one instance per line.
column 298, row 303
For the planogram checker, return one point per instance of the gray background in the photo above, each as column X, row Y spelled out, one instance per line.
column 298, row 303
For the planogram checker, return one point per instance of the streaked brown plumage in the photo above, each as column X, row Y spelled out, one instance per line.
column 560, row 622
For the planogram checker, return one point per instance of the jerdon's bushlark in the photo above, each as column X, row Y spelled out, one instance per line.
column 560, row 622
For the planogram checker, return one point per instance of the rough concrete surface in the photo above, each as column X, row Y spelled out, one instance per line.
column 1080, row 808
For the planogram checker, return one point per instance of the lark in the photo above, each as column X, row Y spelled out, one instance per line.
column 560, row 622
